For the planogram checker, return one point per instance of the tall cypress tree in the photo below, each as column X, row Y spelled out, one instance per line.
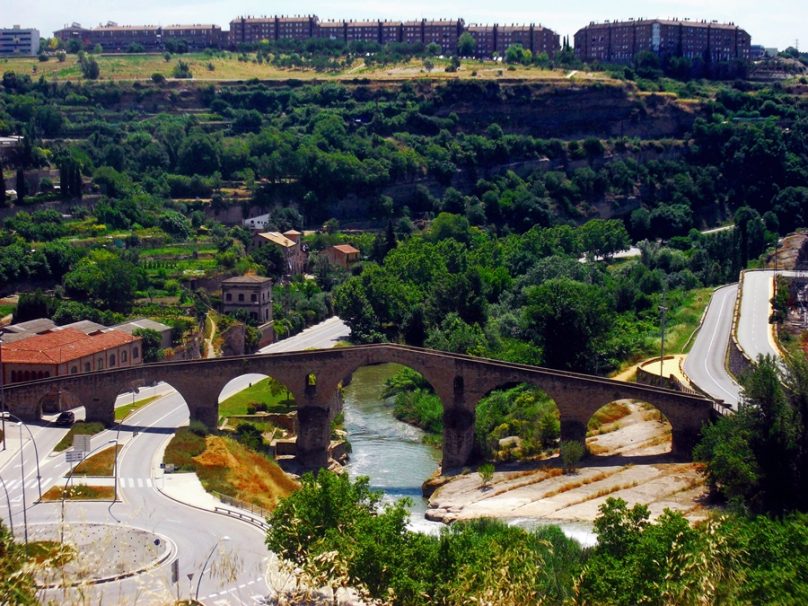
column 20, row 186
column 64, row 179
column 76, row 189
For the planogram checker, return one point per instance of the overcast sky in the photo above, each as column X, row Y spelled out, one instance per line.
column 770, row 22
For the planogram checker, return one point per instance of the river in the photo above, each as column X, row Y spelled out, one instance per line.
column 392, row 454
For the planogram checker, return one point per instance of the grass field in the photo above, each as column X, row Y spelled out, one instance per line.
column 225, row 466
column 6, row 309
column 124, row 411
column 267, row 392
column 80, row 428
column 100, row 464
column 227, row 67
column 684, row 319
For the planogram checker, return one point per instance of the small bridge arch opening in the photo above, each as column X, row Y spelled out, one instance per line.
column 514, row 420
column 628, row 428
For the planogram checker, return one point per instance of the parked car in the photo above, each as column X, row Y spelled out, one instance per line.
column 66, row 418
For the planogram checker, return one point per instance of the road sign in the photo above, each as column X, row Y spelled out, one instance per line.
column 74, row 456
column 82, row 442
column 175, row 571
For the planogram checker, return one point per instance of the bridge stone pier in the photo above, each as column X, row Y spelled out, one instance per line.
column 314, row 378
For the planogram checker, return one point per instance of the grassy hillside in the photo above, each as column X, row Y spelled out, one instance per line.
column 228, row 67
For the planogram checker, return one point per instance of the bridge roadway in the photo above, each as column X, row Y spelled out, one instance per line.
column 314, row 377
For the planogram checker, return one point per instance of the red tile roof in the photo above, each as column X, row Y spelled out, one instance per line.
column 346, row 249
column 62, row 346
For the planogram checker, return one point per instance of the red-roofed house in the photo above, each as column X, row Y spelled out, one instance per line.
column 343, row 255
column 67, row 352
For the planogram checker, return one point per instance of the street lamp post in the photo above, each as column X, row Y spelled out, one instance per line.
column 22, row 479
column 70, row 475
column 36, row 450
column 8, row 502
column 205, row 565
column 662, row 311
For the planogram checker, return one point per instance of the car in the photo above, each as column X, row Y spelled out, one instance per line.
column 65, row 418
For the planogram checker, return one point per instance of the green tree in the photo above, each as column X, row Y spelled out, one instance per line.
column 568, row 319
column 466, row 45
column 758, row 455
column 199, row 154
column 105, row 280
column 151, row 343
column 2, row 185
column 571, row 452
column 603, row 237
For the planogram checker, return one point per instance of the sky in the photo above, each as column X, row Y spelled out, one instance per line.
column 778, row 23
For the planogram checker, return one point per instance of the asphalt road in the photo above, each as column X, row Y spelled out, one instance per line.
column 324, row 335
column 754, row 331
column 192, row 533
column 705, row 364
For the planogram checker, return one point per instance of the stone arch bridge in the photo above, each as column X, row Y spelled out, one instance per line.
column 314, row 377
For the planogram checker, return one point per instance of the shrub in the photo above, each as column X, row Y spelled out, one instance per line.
column 486, row 471
column 571, row 452
column 158, row 78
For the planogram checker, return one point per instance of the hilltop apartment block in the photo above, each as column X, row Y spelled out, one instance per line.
column 621, row 41
column 19, row 42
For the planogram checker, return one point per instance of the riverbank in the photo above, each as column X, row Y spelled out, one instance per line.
column 633, row 462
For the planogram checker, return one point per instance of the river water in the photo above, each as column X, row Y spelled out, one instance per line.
column 392, row 454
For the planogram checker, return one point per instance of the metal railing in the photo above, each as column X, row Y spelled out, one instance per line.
column 234, row 502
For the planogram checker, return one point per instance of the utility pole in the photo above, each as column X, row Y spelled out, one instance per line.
column 662, row 311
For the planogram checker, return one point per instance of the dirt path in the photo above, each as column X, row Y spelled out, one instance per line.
column 210, row 351
column 631, row 460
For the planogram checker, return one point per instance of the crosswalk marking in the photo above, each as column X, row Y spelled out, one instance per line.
column 148, row 483
column 140, row 483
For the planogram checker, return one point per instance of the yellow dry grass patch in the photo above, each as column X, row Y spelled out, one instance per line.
column 228, row 467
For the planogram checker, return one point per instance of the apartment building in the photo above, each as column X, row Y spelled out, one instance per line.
column 620, row 41
column 19, row 42
column 116, row 38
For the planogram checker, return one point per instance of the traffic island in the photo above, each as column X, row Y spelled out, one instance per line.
column 79, row 492
column 100, row 553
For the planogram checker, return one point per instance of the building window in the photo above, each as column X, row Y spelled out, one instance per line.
column 229, row 297
column 100, row 364
column 111, row 360
column 135, row 353
column 123, row 356
column 241, row 298
column 253, row 297
column 87, row 367
column 74, row 370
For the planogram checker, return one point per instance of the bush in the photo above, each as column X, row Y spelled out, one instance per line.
column 198, row 428
column 571, row 452
column 158, row 78
column 182, row 70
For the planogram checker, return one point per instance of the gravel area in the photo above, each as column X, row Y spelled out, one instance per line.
column 101, row 552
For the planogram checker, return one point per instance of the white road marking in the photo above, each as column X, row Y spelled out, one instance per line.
column 140, row 483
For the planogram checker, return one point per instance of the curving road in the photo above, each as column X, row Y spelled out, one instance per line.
column 755, row 334
column 705, row 363
column 191, row 532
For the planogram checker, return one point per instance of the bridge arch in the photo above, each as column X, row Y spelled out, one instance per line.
column 607, row 429
column 516, row 418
